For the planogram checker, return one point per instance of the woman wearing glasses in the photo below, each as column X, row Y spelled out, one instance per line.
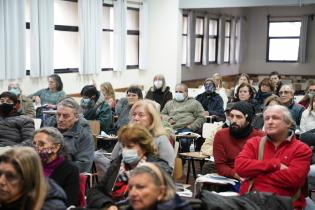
column 23, row 185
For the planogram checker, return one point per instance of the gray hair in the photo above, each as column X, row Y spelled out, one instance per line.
column 285, row 113
column 159, row 177
column 71, row 103
column 54, row 136
column 289, row 86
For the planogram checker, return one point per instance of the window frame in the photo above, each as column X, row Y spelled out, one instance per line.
column 202, row 39
column 185, row 34
column 216, row 38
column 107, row 30
column 229, row 37
column 137, row 33
column 279, row 37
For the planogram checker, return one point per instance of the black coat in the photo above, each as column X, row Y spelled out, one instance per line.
column 99, row 195
column 161, row 96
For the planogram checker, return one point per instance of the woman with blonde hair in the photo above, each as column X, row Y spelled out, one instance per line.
column 23, row 185
column 145, row 113
column 109, row 94
column 137, row 148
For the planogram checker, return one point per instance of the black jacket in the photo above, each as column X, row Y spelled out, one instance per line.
column 161, row 96
column 99, row 195
column 213, row 103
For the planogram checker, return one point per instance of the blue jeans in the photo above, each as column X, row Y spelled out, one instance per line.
column 184, row 142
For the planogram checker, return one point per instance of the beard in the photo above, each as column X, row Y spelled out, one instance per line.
column 240, row 131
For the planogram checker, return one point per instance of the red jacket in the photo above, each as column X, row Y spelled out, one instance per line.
column 226, row 148
column 267, row 174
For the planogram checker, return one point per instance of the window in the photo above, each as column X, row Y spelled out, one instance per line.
column 283, row 41
column 107, row 42
column 199, row 40
column 213, row 40
column 227, row 39
column 66, row 36
column 132, row 48
column 184, row 39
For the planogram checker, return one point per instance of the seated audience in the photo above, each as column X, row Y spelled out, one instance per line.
column 52, row 95
column 228, row 142
column 265, row 89
column 277, row 83
column 277, row 163
column 217, row 78
column 245, row 92
column 150, row 187
column 77, row 135
column 287, row 99
column 310, row 91
column 159, row 92
column 211, row 101
column 138, row 148
column 308, row 117
column 50, row 145
column 95, row 107
column 109, row 94
column 124, row 105
column 26, row 104
column 145, row 113
column 243, row 78
column 23, row 185
column 184, row 113
column 14, row 127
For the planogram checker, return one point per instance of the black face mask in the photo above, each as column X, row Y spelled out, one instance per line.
column 5, row 108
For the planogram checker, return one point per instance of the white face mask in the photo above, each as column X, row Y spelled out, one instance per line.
column 158, row 84
column 179, row 96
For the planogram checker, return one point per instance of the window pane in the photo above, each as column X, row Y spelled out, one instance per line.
column 27, row 48
column 284, row 49
column 213, row 27
column 212, row 50
column 284, row 28
column 227, row 50
column 27, row 11
column 199, row 26
column 66, row 45
column 132, row 20
column 108, row 18
column 184, row 45
column 185, row 19
column 198, row 48
column 132, row 50
column 227, row 28
column 66, row 13
column 107, row 58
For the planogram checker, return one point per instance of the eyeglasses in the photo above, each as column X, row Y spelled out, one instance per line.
column 9, row 176
column 284, row 92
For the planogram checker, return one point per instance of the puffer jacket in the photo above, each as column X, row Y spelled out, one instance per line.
column 186, row 114
column 56, row 198
column 16, row 129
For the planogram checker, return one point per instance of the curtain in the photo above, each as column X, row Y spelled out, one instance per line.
column 144, row 35
column 90, row 14
column 42, row 37
column 191, row 33
column 303, row 39
column 120, row 33
column 205, row 49
column 12, row 39
column 221, row 40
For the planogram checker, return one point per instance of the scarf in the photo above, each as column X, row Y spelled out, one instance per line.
column 50, row 167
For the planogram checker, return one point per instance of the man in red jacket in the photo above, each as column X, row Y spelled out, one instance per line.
column 283, row 162
column 228, row 142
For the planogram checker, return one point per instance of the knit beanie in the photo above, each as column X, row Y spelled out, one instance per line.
column 246, row 108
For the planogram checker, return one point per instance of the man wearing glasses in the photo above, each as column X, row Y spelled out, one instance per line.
column 286, row 94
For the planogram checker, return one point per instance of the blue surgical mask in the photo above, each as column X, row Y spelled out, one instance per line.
column 15, row 91
column 310, row 95
column 130, row 156
column 85, row 102
column 179, row 96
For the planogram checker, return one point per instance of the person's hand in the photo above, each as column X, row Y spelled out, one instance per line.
column 282, row 166
column 36, row 99
column 206, row 113
column 171, row 121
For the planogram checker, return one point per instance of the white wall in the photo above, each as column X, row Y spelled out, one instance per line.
column 164, row 47
column 255, row 60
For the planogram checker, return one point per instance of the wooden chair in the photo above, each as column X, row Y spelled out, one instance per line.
column 178, row 165
column 95, row 129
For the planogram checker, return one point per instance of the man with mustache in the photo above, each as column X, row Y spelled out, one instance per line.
column 228, row 142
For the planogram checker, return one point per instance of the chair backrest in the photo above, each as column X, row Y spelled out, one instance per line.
column 95, row 126
column 37, row 123
column 209, row 129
